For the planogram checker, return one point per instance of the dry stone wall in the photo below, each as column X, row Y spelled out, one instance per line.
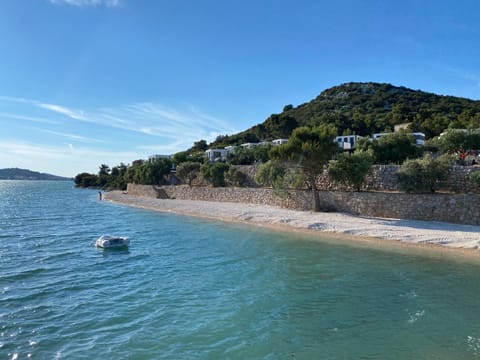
column 382, row 178
column 455, row 208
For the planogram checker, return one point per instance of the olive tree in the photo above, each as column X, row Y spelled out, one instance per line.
column 214, row 173
column 271, row 174
column 424, row 175
column 308, row 150
column 351, row 169
column 188, row 171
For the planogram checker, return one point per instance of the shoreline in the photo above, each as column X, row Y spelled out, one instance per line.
column 379, row 232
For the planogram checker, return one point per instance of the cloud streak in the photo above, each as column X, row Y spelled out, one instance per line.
column 189, row 124
column 83, row 3
column 65, row 159
column 77, row 115
column 169, row 129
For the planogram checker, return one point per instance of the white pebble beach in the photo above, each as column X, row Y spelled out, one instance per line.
column 412, row 232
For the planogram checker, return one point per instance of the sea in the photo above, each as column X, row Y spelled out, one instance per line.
column 190, row 288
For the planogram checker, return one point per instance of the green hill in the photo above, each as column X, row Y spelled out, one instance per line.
column 364, row 109
column 24, row 174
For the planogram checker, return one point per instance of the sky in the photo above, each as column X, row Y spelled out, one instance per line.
column 91, row 82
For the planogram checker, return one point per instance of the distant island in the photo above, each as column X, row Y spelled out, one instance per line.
column 24, row 174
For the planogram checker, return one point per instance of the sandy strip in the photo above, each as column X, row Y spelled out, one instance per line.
column 406, row 231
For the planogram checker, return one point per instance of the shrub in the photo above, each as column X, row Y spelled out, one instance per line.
column 475, row 177
column 351, row 169
column 214, row 173
column 235, row 177
column 271, row 174
column 393, row 148
column 423, row 175
column 188, row 171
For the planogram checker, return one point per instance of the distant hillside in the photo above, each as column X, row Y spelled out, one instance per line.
column 364, row 109
column 24, row 174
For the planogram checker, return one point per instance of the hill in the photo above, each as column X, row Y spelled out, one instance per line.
column 24, row 174
column 364, row 109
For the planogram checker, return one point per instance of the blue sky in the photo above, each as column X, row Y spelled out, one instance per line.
column 90, row 82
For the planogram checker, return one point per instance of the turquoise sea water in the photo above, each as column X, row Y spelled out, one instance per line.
column 195, row 289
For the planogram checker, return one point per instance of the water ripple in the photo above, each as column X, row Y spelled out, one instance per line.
column 194, row 289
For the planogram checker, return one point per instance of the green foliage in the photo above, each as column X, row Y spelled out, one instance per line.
column 423, row 175
column 198, row 156
column 351, row 169
column 86, row 180
column 475, row 177
column 270, row 174
column 152, row 172
column 455, row 140
column 308, row 151
column 180, row 157
column 214, row 173
column 200, row 145
column 235, row 177
column 140, row 172
column 367, row 108
column 394, row 148
column 241, row 156
column 103, row 170
column 188, row 171
column 244, row 156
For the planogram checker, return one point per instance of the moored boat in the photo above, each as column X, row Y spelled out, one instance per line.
column 108, row 241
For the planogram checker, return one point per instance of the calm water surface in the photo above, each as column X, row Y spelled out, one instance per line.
column 195, row 289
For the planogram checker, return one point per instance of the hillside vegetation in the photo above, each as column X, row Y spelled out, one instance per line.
column 24, row 174
column 364, row 109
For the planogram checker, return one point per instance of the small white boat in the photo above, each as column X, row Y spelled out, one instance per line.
column 107, row 241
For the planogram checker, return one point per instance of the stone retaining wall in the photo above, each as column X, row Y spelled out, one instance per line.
column 453, row 208
column 382, row 178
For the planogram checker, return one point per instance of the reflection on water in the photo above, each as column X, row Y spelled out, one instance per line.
column 190, row 288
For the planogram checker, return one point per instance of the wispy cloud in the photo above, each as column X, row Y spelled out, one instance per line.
column 188, row 124
column 82, row 3
column 65, row 159
column 77, row 115
column 171, row 128
column 80, row 139
column 69, row 136
column 10, row 116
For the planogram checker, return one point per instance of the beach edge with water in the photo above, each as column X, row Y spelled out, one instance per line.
column 435, row 236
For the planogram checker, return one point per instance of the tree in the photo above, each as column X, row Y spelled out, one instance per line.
column 200, row 145
column 455, row 140
column 271, row 174
column 235, row 177
column 159, row 168
column 351, row 169
column 262, row 153
column 308, row 150
column 104, row 170
column 423, row 175
column 180, row 157
column 117, row 177
column 392, row 148
column 151, row 172
column 241, row 156
column 475, row 178
column 214, row 173
column 188, row 171
column 86, row 180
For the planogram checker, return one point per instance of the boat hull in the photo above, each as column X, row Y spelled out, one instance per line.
column 106, row 242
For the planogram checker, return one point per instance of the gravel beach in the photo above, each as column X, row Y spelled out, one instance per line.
column 340, row 224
